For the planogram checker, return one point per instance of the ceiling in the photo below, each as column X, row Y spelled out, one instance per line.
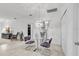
column 28, row 10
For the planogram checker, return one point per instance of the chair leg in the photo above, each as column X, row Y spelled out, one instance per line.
column 46, row 51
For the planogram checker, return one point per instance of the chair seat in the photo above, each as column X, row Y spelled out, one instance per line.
column 29, row 42
column 45, row 44
column 14, row 37
column 27, row 38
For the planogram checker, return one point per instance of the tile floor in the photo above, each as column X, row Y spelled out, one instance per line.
column 18, row 48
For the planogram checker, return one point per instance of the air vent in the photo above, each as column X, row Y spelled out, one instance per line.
column 52, row 10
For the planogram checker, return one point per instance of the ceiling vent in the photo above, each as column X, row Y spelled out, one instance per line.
column 52, row 10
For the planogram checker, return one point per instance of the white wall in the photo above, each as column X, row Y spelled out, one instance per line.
column 67, row 31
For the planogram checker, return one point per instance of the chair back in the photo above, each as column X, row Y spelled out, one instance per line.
column 17, row 34
column 50, row 40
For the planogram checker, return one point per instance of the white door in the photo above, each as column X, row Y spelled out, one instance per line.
column 76, row 30
column 76, row 41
